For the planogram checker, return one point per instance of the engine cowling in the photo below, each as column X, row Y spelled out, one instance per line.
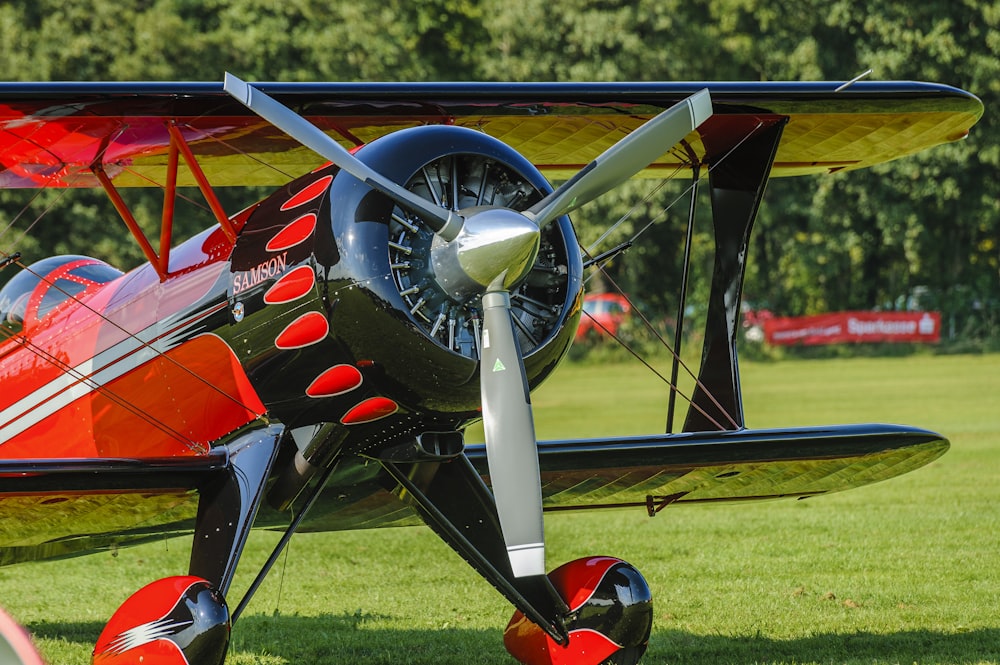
column 471, row 169
column 377, row 336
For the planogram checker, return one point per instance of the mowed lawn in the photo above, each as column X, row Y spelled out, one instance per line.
column 907, row 571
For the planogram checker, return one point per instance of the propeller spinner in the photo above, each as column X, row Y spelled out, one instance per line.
column 488, row 250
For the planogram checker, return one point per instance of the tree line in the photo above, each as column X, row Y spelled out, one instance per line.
column 923, row 231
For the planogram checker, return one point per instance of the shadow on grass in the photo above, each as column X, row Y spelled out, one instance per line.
column 357, row 638
column 917, row 646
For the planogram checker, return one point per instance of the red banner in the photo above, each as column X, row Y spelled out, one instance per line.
column 850, row 327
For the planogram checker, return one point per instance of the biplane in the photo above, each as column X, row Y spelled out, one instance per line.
column 312, row 361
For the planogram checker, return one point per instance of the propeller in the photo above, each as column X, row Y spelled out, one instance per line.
column 625, row 158
column 510, row 437
column 488, row 250
column 443, row 222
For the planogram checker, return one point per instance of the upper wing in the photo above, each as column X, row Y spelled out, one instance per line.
column 53, row 134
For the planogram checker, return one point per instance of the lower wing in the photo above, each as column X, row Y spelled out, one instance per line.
column 56, row 508
column 651, row 472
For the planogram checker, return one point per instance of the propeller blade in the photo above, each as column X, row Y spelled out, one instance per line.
column 443, row 222
column 625, row 158
column 510, row 438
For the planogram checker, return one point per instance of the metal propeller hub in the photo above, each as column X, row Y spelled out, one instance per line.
column 442, row 281
column 494, row 244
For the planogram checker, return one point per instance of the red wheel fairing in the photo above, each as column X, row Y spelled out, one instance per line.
column 611, row 615
column 174, row 621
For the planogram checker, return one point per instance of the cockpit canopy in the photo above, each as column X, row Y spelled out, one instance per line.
column 39, row 289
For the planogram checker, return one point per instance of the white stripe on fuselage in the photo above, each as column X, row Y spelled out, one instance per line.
column 91, row 376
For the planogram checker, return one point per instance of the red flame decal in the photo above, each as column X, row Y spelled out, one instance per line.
column 308, row 329
column 337, row 380
column 294, row 233
column 369, row 410
column 311, row 191
column 291, row 286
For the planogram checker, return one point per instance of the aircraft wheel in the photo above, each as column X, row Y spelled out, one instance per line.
column 611, row 615
column 173, row 621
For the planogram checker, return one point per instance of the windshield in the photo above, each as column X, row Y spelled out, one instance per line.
column 39, row 289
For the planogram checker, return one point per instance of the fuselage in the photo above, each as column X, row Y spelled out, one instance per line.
column 128, row 368
column 323, row 313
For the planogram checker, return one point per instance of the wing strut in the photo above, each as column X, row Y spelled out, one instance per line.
column 682, row 302
column 133, row 226
column 177, row 139
column 737, row 187
column 178, row 148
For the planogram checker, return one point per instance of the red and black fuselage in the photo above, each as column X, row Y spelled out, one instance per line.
column 323, row 315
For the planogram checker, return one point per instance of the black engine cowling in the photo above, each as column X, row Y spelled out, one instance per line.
column 401, row 353
column 456, row 168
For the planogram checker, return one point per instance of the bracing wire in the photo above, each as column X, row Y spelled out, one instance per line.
column 600, row 267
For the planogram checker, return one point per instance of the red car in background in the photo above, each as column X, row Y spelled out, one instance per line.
column 602, row 312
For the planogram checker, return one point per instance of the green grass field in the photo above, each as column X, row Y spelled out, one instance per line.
column 907, row 571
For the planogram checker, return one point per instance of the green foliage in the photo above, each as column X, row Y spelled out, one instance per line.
column 927, row 224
